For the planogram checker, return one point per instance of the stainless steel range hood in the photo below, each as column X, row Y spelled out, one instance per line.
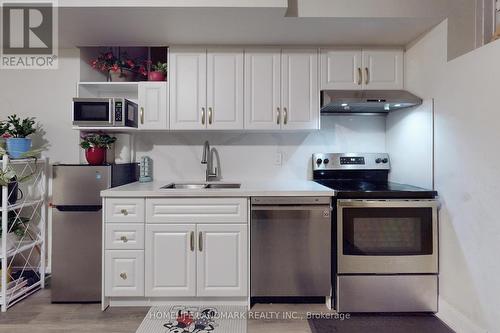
column 362, row 102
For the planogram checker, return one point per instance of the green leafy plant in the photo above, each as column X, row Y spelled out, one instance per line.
column 97, row 140
column 16, row 224
column 160, row 67
column 18, row 128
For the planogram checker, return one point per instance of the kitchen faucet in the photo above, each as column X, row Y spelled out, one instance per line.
column 212, row 172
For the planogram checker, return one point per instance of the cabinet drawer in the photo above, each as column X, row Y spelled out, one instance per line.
column 124, row 273
column 125, row 236
column 199, row 210
column 125, row 210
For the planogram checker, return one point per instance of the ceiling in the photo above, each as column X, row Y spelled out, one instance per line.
column 229, row 26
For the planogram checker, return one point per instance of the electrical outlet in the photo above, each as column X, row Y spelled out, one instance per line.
column 278, row 159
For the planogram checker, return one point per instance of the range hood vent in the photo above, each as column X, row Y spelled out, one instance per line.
column 366, row 101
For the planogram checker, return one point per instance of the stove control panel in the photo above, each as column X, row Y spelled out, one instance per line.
column 351, row 161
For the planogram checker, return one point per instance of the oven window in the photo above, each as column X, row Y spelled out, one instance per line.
column 91, row 111
column 387, row 231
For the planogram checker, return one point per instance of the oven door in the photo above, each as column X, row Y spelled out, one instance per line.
column 387, row 236
column 93, row 112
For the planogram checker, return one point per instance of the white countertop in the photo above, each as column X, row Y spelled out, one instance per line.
column 248, row 189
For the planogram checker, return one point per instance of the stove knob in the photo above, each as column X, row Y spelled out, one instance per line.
column 326, row 161
column 319, row 161
column 378, row 160
column 385, row 160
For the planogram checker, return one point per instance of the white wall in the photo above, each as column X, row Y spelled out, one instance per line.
column 252, row 155
column 467, row 132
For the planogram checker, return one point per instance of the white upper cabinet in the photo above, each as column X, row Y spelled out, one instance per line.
column 383, row 69
column 299, row 89
column 341, row 69
column 357, row 69
column 153, row 109
column 188, row 88
column 262, row 89
column 225, row 89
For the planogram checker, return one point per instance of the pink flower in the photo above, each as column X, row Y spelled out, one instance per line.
column 109, row 55
column 130, row 63
column 115, row 68
column 6, row 135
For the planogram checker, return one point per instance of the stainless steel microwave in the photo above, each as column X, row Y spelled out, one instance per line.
column 105, row 112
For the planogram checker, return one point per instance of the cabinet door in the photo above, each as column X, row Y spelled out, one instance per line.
column 225, row 89
column 383, row 69
column 153, row 109
column 222, row 260
column 170, row 260
column 188, row 88
column 124, row 273
column 262, row 88
column 341, row 69
column 300, row 89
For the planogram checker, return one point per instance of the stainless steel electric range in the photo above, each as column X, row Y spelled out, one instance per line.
column 385, row 252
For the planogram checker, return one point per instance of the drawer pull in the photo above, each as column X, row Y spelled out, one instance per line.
column 124, row 212
column 192, row 241
column 123, row 275
column 124, row 239
column 200, row 241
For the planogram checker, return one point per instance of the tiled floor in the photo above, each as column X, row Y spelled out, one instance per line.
column 36, row 315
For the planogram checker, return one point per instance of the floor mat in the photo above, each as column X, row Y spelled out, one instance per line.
column 194, row 319
column 380, row 324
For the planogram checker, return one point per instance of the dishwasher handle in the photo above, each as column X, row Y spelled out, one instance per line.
column 288, row 208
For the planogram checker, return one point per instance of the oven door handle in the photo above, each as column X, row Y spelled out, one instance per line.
column 296, row 208
column 389, row 203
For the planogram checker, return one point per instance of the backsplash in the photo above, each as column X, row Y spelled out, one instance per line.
column 254, row 156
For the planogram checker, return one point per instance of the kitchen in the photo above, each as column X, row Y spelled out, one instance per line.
column 265, row 162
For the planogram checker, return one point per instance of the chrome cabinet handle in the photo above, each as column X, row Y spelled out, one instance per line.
column 367, row 71
column 142, row 115
column 192, row 241
column 124, row 212
column 123, row 275
column 278, row 116
column 285, row 121
column 203, row 116
column 210, row 113
column 360, row 76
column 200, row 241
column 124, row 239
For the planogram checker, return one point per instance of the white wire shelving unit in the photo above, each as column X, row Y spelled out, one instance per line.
column 23, row 258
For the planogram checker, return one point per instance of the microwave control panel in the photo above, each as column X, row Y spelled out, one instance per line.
column 118, row 111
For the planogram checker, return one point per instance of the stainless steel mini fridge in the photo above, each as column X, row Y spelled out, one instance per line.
column 77, row 227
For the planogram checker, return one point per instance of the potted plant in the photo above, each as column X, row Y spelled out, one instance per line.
column 95, row 146
column 16, row 132
column 159, row 72
column 119, row 68
column 17, row 227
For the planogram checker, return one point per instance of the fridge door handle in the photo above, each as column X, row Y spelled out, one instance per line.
column 77, row 208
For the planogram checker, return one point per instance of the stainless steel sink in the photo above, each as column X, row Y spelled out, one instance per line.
column 199, row 186
column 185, row 186
column 223, row 185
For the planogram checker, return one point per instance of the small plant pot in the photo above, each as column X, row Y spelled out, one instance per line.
column 16, row 147
column 122, row 75
column 156, row 76
column 95, row 156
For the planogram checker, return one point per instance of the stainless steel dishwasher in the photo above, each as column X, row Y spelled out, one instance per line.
column 290, row 247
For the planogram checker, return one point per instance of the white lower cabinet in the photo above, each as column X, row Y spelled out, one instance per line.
column 170, row 260
column 222, row 260
column 124, row 272
column 196, row 260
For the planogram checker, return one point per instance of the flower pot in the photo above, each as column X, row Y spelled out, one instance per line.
column 95, row 156
column 16, row 147
column 156, row 76
column 122, row 75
